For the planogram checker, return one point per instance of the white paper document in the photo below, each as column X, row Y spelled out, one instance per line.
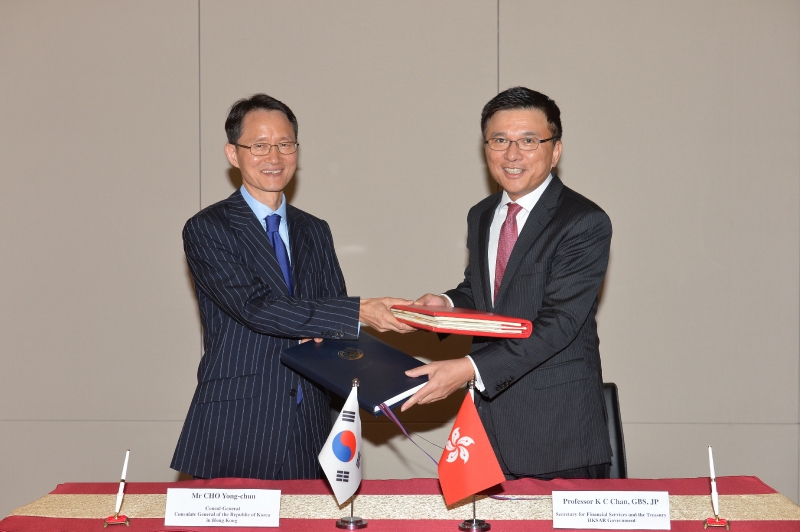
column 611, row 510
column 222, row 507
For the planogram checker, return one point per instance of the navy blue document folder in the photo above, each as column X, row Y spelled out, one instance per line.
column 379, row 367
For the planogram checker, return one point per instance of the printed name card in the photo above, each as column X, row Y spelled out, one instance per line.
column 611, row 510
column 222, row 507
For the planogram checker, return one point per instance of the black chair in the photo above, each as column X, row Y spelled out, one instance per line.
column 619, row 467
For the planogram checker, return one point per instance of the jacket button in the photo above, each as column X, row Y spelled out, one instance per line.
column 292, row 392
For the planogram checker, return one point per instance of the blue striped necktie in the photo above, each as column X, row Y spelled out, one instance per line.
column 273, row 223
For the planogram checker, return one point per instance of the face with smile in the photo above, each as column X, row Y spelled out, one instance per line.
column 519, row 172
column 266, row 176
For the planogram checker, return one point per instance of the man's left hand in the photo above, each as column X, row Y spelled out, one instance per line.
column 444, row 378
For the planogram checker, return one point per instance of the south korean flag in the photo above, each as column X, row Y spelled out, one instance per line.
column 340, row 457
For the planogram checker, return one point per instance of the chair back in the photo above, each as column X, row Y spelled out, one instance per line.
column 619, row 467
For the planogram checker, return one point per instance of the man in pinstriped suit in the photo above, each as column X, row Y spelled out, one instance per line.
column 537, row 250
column 266, row 277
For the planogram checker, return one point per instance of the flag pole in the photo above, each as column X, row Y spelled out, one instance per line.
column 474, row 512
column 352, row 523
column 474, row 524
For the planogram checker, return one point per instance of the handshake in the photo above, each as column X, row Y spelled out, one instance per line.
column 377, row 312
column 444, row 377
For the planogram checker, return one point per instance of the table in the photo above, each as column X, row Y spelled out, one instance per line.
column 402, row 505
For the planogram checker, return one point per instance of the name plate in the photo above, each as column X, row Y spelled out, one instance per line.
column 222, row 507
column 611, row 510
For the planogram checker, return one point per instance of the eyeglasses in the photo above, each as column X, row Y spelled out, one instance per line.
column 259, row 149
column 524, row 144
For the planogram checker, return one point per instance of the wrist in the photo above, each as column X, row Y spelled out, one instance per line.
column 469, row 369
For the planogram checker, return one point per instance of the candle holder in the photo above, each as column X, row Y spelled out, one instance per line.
column 717, row 521
column 117, row 520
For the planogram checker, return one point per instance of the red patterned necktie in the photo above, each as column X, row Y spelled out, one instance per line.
column 508, row 237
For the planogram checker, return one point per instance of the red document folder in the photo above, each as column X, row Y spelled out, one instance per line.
column 462, row 321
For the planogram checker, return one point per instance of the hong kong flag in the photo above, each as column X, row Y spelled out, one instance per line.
column 468, row 464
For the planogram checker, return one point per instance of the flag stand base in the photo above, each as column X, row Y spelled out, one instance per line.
column 474, row 525
column 351, row 523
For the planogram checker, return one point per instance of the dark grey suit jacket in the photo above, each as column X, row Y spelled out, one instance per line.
column 245, row 402
column 543, row 402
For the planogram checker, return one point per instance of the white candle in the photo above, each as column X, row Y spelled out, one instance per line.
column 714, row 495
column 711, row 463
column 121, row 492
column 128, row 454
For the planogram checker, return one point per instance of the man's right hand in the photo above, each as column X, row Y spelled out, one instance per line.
column 433, row 300
column 376, row 313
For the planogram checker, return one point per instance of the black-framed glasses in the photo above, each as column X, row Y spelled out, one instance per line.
column 524, row 144
column 259, row 149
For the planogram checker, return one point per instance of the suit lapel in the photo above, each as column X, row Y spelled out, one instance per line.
column 539, row 217
column 257, row 248
column 300, row 243
column 484, row 224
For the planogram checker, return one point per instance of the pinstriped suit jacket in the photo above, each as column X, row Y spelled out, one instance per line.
column 543, row 401
column 245, row 402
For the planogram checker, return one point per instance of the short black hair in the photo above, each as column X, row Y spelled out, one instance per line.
column 523, row 98
column 233, row 124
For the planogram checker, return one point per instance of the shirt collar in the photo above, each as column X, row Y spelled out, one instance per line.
column 259, row 209
column 528, row 201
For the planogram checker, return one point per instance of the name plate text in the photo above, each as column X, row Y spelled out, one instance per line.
column 611, row 510
column 222, row 507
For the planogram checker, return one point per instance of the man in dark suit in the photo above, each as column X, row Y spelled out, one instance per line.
column 537, row 250
column 266, row 277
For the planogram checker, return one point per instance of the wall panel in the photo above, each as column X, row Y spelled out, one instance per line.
column 681, row 120
column 99, row 164
column 388, row 98
column 39, row 455
column 765, row 450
